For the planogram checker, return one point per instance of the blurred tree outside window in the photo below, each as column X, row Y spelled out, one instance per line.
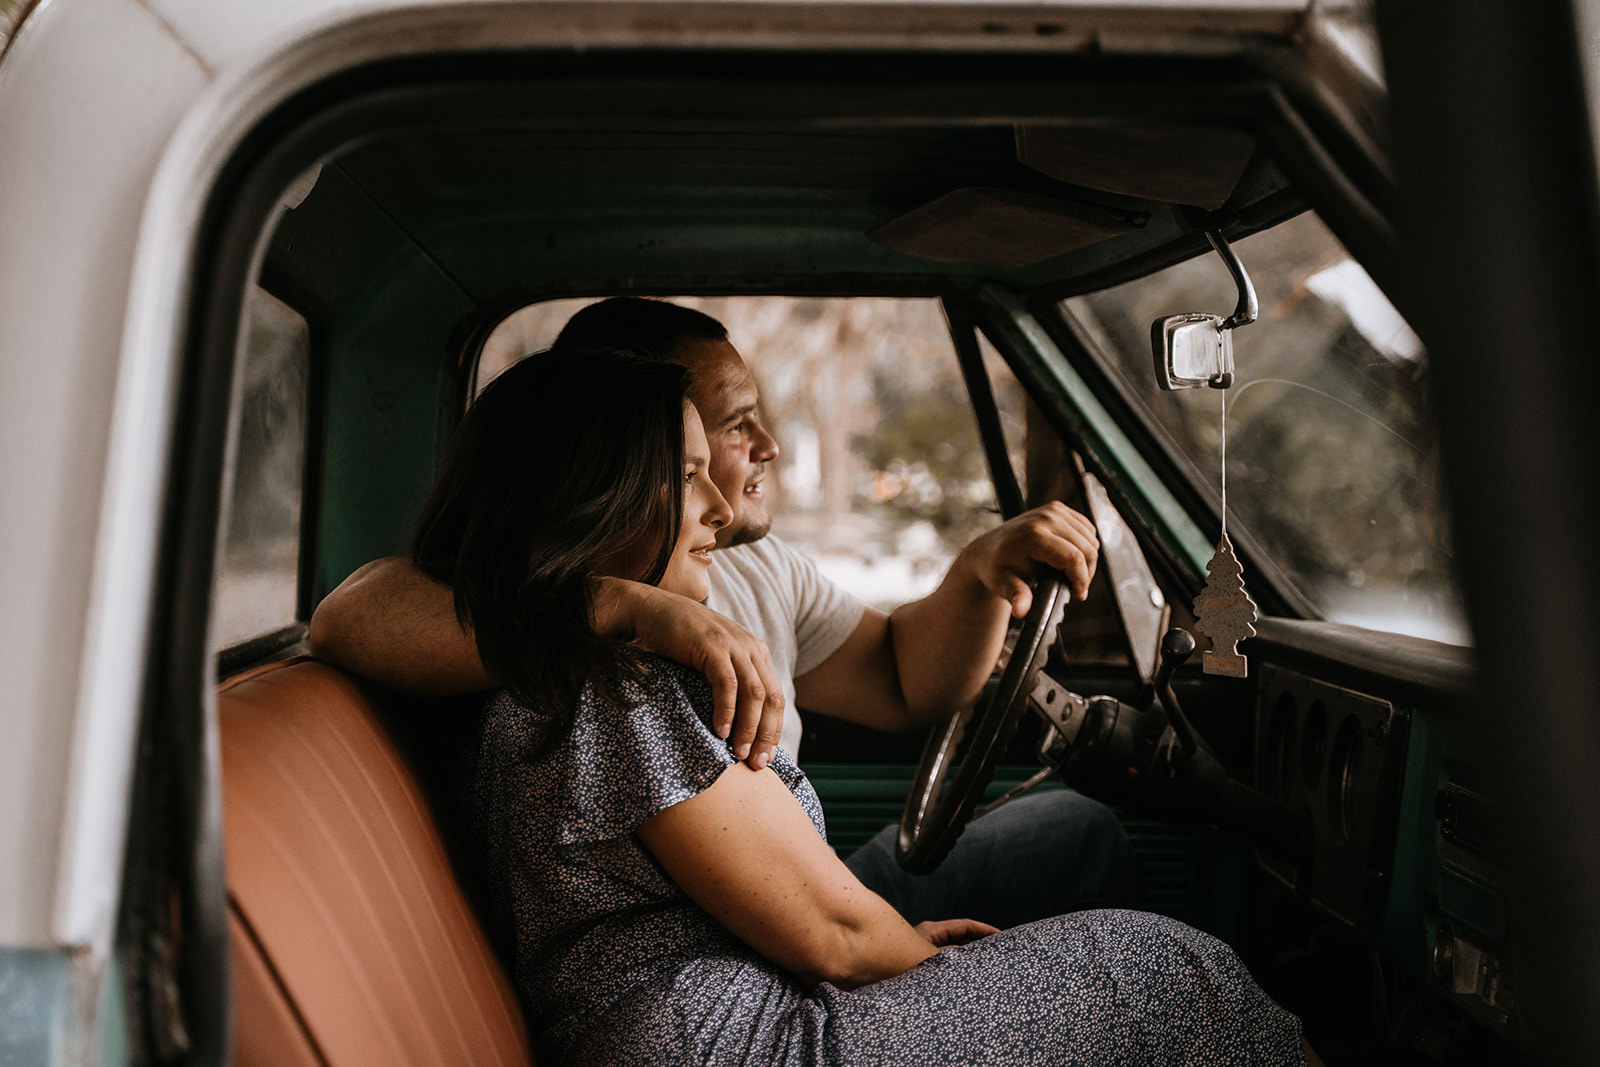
column 1333, row 457
column 881, row 477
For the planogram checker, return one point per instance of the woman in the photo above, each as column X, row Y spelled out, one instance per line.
column 669, row 904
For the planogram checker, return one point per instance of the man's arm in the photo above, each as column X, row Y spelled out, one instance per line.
column 394, row 624
column 931, row 657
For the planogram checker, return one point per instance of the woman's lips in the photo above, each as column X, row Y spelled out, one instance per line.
column 703, row 553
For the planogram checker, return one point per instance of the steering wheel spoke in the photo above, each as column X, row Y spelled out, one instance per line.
column 952, row 777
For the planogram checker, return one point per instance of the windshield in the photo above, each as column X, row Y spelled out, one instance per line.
column 1332, row 457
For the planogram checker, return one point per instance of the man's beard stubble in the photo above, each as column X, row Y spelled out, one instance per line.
column 751, row 532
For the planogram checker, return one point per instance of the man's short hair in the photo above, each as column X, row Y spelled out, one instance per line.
column 652, row 328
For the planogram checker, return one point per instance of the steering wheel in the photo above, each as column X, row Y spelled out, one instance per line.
column 951, row 777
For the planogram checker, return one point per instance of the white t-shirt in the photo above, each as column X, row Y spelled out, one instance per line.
column 779, row 595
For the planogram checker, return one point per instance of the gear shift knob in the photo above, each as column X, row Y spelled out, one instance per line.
column 1176, row 648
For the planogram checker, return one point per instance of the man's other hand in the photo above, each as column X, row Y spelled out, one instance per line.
column 1007, row 558
column 747, row 695
column 943, row 933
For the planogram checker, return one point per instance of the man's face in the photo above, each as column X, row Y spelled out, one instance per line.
column 725, row 394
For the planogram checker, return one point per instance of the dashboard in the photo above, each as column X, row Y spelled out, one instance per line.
column 1366, row 736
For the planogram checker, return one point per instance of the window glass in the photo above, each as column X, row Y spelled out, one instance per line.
column 258, row 580
column 1333, row 459
column 881, row 476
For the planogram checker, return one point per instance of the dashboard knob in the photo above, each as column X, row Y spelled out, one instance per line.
column 1442, row 960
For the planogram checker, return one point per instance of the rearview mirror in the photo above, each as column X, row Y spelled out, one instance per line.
column 1192, row 349
column 1195, row 349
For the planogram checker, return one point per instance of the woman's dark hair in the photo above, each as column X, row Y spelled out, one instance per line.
column 650, row 327
column 565, row 459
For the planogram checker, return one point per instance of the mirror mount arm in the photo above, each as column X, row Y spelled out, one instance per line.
column 1248, row 309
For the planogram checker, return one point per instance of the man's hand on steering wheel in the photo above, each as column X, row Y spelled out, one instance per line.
column 1007, row 558
column 1034, row 563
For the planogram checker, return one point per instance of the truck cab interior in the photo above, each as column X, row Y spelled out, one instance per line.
column 1345, row 819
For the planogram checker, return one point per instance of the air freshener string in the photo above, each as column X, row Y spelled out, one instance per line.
column 1224, row 393
column 1224, row 611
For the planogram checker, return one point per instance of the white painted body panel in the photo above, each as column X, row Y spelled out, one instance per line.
column 81, row 131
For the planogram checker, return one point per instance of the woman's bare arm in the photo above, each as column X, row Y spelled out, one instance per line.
column 392, row 623
column 746, row 852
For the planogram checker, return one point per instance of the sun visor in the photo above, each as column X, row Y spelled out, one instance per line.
column 1193, row 165
column 1002, row 228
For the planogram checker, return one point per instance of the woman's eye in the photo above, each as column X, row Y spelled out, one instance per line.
column 689, row 476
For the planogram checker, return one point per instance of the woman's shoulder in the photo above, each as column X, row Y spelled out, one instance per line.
column 651, row 702
column 628, row 750
column 650, row 683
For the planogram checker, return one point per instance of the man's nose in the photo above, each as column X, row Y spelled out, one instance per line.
column 763, row 446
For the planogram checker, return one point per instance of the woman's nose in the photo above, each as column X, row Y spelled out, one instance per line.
column 718, row 514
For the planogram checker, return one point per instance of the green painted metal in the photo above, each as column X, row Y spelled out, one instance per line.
column 542, row 206
column 47, row 1017
column 382, row 313
column 35, row 1006
column 112, row 1044
column 1414, row 878
column 1069, row 393
column 860, row 799
column 386, row 419
column 1192, row 873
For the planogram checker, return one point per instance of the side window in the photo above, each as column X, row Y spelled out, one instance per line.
column 881, row 478
column 258, row 575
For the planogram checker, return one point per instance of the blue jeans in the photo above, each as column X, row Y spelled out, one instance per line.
column 1043, row 854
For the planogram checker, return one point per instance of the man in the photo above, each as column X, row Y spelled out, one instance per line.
column 782, row 636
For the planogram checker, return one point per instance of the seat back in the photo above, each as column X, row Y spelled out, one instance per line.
column 352, row 940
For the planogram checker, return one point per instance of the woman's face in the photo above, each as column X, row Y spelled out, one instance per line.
column 704, row 513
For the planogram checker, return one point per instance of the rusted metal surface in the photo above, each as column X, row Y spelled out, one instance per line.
column 1209, row 27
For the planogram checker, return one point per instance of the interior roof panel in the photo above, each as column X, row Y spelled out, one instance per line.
column 505, row 208
column 752, row 169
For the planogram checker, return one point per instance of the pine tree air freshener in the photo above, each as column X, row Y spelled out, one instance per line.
column 1225, row 613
